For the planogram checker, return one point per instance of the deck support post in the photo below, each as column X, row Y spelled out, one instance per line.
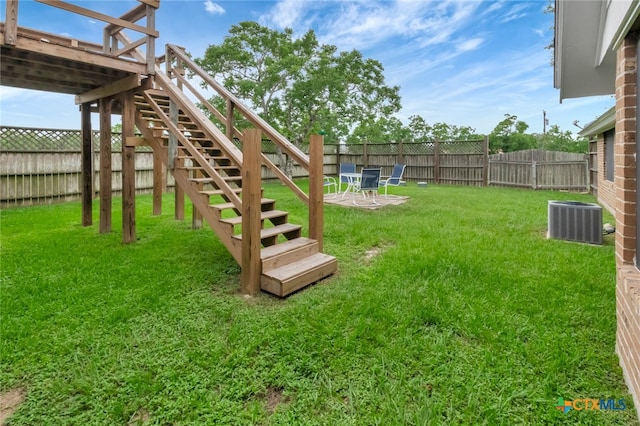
column 87, row 166
column 251, row 212
column 105, row 165
column 158, row 182
column 316, row 190
column 128, row 169
column 196, row 216
column 175, row 162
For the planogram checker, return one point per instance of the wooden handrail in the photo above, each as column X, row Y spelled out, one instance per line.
column 294, row 152
column 300, row 157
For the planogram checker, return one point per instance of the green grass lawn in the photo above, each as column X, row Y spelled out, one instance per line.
column 450, row 309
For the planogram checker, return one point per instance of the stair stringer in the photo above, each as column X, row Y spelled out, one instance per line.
column 200, row 202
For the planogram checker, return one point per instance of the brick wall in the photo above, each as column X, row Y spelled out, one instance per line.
column 606, row 188
column 628, row 275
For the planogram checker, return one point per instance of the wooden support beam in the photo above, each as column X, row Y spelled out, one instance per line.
column 70, row 53
column 179, row 195
column 151, row 40
column 158, row 178
column 316, row 195
column 136, row 141
column 11, row 23
column 87, row 166
column 251, row 197
column 128, row 169
column 110, row 89
column 196, row 216
column 105, row 165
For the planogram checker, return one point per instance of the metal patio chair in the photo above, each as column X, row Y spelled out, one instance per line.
column 345, row 168
column 367, row 185
column 395, row 179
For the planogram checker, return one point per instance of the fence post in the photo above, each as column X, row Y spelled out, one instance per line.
column 436, row 160
column 400, row 153
column 365, row 155
column 588, row 181
column 316, row 195
column 485, row 170
column 534, row 174
column 251, row 211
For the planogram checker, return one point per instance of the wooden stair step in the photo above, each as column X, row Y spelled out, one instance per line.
column 225, row 206
column 201, row 180
column 296, row 275
column 269, row 214
column 286, row 252
column 213, row 192
column 285, row 228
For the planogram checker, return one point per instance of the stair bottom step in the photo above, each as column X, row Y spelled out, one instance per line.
column 294, row 276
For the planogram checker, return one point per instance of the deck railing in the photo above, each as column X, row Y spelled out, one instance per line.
column 115, row 44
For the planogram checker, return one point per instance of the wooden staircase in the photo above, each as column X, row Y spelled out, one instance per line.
column 206, row 165
column 208, row 168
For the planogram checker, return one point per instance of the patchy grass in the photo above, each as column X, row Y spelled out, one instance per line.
column 452, row 308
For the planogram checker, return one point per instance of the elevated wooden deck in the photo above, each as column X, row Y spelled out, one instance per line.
column 43, row 61
column 37, row 60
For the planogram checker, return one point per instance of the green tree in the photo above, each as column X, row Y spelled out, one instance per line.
column 299, row 85
column 557, row 140
column 509, row 135
column 380, row 130
column 420, row 130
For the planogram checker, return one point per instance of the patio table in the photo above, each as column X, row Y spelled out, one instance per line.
column 352, row 179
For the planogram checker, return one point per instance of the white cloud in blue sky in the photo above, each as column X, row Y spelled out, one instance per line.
column 461, row 62
column 213, row 8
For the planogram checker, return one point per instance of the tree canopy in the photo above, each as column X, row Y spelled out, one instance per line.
column 302, row 87
column 299, row 85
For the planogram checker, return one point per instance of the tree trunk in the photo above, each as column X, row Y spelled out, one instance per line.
column 284, row 163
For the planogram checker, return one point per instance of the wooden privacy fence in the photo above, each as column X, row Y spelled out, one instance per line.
column 446, row 162
column 40, row 166
column 539, row 169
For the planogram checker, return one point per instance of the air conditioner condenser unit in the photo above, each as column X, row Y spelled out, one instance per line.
column 575, row 221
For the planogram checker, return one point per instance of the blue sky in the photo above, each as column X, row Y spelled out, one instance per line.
column 461, row 62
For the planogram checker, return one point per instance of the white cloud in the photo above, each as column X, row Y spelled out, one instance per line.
column 469, row 45
column 516, row 12
column 422, row 23
column 213, row 8
column 285, row 14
